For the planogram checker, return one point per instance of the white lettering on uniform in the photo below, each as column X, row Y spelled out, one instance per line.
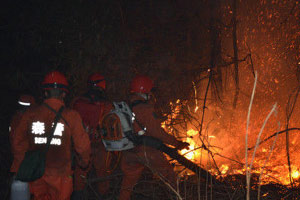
column 38, row 128
column 55, row 141
column 59, row 129
column 40, row 140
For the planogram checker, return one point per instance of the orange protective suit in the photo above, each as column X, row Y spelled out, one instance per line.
column 31, row 134
column 134, row 160
column 91, row 114
column 13, row 124
column 16, row 120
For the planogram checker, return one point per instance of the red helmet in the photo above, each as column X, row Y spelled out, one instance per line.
column 55, row 79
column 141, row 84
column 26, row 100
column 97, row 80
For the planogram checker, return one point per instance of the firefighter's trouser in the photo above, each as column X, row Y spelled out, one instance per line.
column 132, row 165
column 52, row 188
column 100, row 160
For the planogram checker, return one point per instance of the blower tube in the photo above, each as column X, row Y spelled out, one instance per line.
column 173, row 153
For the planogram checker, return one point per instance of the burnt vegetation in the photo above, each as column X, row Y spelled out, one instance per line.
column 202, row 54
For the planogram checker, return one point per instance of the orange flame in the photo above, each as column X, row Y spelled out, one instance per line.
column 274, row 171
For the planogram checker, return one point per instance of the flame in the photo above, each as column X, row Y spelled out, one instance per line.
column 295, row 174
column 224, row 169
column 191, row 153
column 272, row 172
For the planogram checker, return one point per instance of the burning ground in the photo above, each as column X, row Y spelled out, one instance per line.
column 218, row 144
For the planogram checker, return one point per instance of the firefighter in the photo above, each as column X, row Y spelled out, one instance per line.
column 25, row 101
column 134, row 160
column 31, row 134
column 92, row 106
column 19, row 188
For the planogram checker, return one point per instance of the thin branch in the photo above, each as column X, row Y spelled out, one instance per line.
column 251, row 61
column 289, row 114
column 263, row 168
column 283, row 131
column 290, row 14
column 259, row 135
column 164, row 180
column 235, row 53
column 204, row 103
column 246, row 144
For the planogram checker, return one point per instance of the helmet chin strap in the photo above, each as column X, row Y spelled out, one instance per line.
column 95, row 94
column 144, row 96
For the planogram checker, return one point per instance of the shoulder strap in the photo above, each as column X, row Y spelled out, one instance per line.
column 136, row 102
column 53, row 110
column 56, row 119
column 140, row 124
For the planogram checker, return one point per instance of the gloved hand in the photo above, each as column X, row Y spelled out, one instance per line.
column 83, row 165
column 183, row 145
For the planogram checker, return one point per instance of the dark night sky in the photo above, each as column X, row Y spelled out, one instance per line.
column 117, row 38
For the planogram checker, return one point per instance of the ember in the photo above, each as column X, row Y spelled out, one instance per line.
column 275, row 171
column 218, row 144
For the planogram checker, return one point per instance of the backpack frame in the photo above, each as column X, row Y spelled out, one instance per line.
column 117, row 127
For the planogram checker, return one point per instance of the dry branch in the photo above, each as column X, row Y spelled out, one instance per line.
column 246, row 137
column 235, row 53
column 289, row 111
column 268, row 138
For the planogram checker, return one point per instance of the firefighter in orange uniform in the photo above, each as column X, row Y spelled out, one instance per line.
column 134, row 160
column 24, row 102
column 92, row 106
column 19, row 188
column 31, row 134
